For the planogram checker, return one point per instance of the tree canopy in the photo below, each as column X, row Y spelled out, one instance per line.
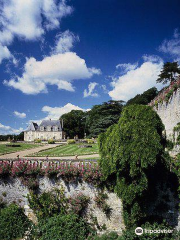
column 169, row 72
column 144, row 98
column 74, row 123
column 100, row 117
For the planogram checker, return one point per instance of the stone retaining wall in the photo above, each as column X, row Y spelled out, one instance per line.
column 12, row 190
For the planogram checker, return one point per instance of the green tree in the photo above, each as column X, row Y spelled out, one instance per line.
column 74, row 123
column 169, row 72
column 133, row 158
column 144, row 98
column 102, row 116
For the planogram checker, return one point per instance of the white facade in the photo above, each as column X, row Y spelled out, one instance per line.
column 48, row 129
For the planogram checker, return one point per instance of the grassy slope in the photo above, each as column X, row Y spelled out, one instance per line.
column 68, row 150
column 4, row 149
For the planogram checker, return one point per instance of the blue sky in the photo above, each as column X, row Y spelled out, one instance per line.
column 58, row 55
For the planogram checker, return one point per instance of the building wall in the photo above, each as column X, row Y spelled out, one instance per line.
column 170, row 113
column 30, row 136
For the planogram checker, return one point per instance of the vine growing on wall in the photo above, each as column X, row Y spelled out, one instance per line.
column 133, row 157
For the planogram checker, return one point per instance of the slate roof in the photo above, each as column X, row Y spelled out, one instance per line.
column 32, row 127
column 45, row 123
column 52, row 123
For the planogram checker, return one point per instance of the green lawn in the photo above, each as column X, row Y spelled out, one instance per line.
column 67, row 150
column 23, row 146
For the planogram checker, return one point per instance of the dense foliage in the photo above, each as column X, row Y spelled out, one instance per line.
column 132, row 152
column 169, row 72
column 100, row 117
column 74, row 123
column 19, row 137
column 13, row 222
column 144, row 98
column 61, row 227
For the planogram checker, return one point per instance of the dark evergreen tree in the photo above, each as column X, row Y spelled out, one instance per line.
column 169, row 72
column 102, row 116
column 74, row 123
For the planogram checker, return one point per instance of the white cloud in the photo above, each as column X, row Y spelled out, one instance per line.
column 28, row 19
column 152, row 58
column 56, row 112
column 125, row 67
column 172, row 46
column 90, row 91
column 64, row 42
column 57, row 70
column 4, row 53
column 19, row 115
column 136, row 81
column 9, row 130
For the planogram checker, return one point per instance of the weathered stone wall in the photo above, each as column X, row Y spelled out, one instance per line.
column 170, row 113
column 12, row 190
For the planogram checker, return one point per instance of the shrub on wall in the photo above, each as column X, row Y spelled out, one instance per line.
column 5, row 168
column 48, row 203
column 78, row 203
column 13, row 222
column 133, row 156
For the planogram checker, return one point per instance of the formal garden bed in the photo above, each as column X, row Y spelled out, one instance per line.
column 68, row 150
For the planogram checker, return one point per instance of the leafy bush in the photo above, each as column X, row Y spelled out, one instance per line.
column 37, row 140
column 78, row 203
column 51, row 141
column 132, row 152
column 71, row 141
column 90, row 141
column 100, row 201
column 5, row 168
column 48, row 203
column 13, row 222
column 64, row 227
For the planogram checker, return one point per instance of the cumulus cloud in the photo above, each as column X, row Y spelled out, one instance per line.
column 172, row 46
column 91, row 90
column 56, row 112
column 28, row 19
column 136, row 81
column 9, row 130
column 4, row 53
column 64, row 42
column 125, row 67
column 19, row 115
column 59, row 70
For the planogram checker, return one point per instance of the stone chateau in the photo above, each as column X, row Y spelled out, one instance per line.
column 48, row 129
